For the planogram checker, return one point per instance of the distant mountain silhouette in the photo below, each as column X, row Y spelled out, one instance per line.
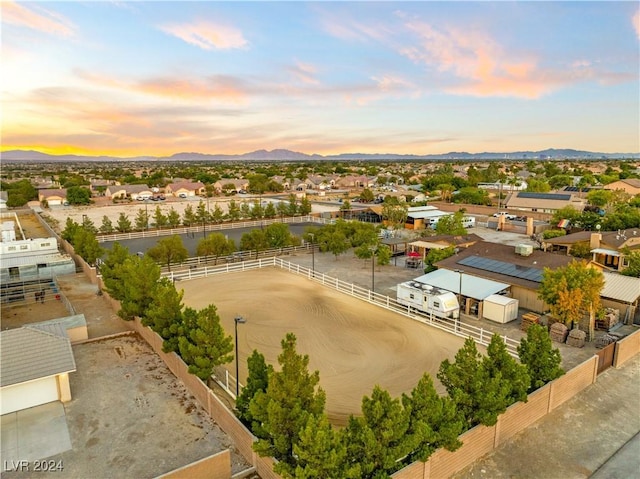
column 288, row 155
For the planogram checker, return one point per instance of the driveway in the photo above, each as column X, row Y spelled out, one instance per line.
column 33, row 434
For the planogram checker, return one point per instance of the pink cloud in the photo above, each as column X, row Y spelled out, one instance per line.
column 304, row 72
column 36, row 18
column 207, row 35
column 636, row 23
column 481, row 65
column 219, row 87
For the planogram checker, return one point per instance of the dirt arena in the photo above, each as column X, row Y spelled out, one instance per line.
column 353, row 344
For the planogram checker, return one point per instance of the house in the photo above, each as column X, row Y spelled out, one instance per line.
column 53, row 197
column 36, row 362
column 630, row 186
column 128, row 191
column 607, row 247
column 231, row 184
column 98, row 187
column 4, row 196
column 286, row 184
column 501, row 263
column 543, row 202
column 31, row 259
column 186, row 188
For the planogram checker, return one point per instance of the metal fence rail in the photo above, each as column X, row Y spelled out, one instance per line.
column 480, row 335
column 210, row 228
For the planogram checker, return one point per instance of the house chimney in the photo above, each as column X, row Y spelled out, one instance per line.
column 595, row 239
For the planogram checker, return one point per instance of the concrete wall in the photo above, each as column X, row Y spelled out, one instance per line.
column 481, row 440
column 226, row 419
column 217, row 466
column 626, row 348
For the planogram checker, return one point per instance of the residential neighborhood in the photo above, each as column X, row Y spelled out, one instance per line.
column 490, row 252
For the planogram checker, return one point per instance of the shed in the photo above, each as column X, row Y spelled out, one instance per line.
column 35, row 367
column 500, row 309
column 472, row 289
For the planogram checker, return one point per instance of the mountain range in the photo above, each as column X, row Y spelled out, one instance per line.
column 288, row 155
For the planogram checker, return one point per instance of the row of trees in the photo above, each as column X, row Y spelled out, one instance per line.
column 339, row 237
column 196, row 335
column 285, row 409
column 201, row 215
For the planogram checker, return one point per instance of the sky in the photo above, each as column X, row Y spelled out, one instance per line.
column 156, row 78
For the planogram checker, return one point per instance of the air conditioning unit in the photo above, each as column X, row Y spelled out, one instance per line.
column 524, row 249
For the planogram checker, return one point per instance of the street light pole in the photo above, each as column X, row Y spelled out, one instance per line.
column 313, row 254
column 146, row 213
column 236, row 320
column 460, row 273
column 373, row 269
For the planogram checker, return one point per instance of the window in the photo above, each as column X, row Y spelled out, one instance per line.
column 42, row 265
column 436, row 304
column 44, row 245
column 11, row 248
column 24, row 247
column 411, row 296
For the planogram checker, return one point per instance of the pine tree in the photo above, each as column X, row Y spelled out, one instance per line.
column 322, row 453
column 389, row 422
column 283, row 409
column 539, row 357
column 165, row 313
column 123, row 224
column 257, row 381
column 477, row 395
column 107, row 225
column 112, row 271
column 204, row 345
column 434, row 421
column 173, row 218
column 499, row 362
column 139, row 277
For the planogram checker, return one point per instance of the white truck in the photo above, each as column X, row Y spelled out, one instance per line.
column 428, row 299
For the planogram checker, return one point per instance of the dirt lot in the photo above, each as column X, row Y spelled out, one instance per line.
column 130, row 417
column 353, row 344
column 101, row 319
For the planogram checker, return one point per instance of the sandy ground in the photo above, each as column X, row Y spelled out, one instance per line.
column 130, row 417
column 353, row 344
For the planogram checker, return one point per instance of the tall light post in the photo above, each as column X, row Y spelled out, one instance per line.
column 460, row 273
column 373, row 250
column 313, row 254
column 236, row 320
column 146, row 213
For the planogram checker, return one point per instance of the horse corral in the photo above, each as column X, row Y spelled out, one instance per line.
column 355, row 345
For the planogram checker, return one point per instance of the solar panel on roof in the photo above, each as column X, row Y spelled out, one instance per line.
column 544, row 196
column 501, row 267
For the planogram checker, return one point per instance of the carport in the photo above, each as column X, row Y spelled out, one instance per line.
column 472, row 290
column 622, row 293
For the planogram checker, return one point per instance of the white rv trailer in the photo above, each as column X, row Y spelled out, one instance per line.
column 428, row 299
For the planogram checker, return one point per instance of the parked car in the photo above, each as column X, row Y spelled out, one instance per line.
column 182, row 195
column 506, row 215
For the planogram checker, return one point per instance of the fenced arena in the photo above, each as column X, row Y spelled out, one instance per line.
column 355, row 344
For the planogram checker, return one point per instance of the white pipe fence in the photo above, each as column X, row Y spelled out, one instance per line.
column 453, row 326
column 209, row 228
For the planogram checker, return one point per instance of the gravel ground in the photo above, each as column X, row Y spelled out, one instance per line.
column 130, row 417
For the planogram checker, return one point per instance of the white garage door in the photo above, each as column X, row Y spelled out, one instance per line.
column 26, row 395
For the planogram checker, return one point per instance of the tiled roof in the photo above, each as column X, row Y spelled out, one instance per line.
column 30, row 353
